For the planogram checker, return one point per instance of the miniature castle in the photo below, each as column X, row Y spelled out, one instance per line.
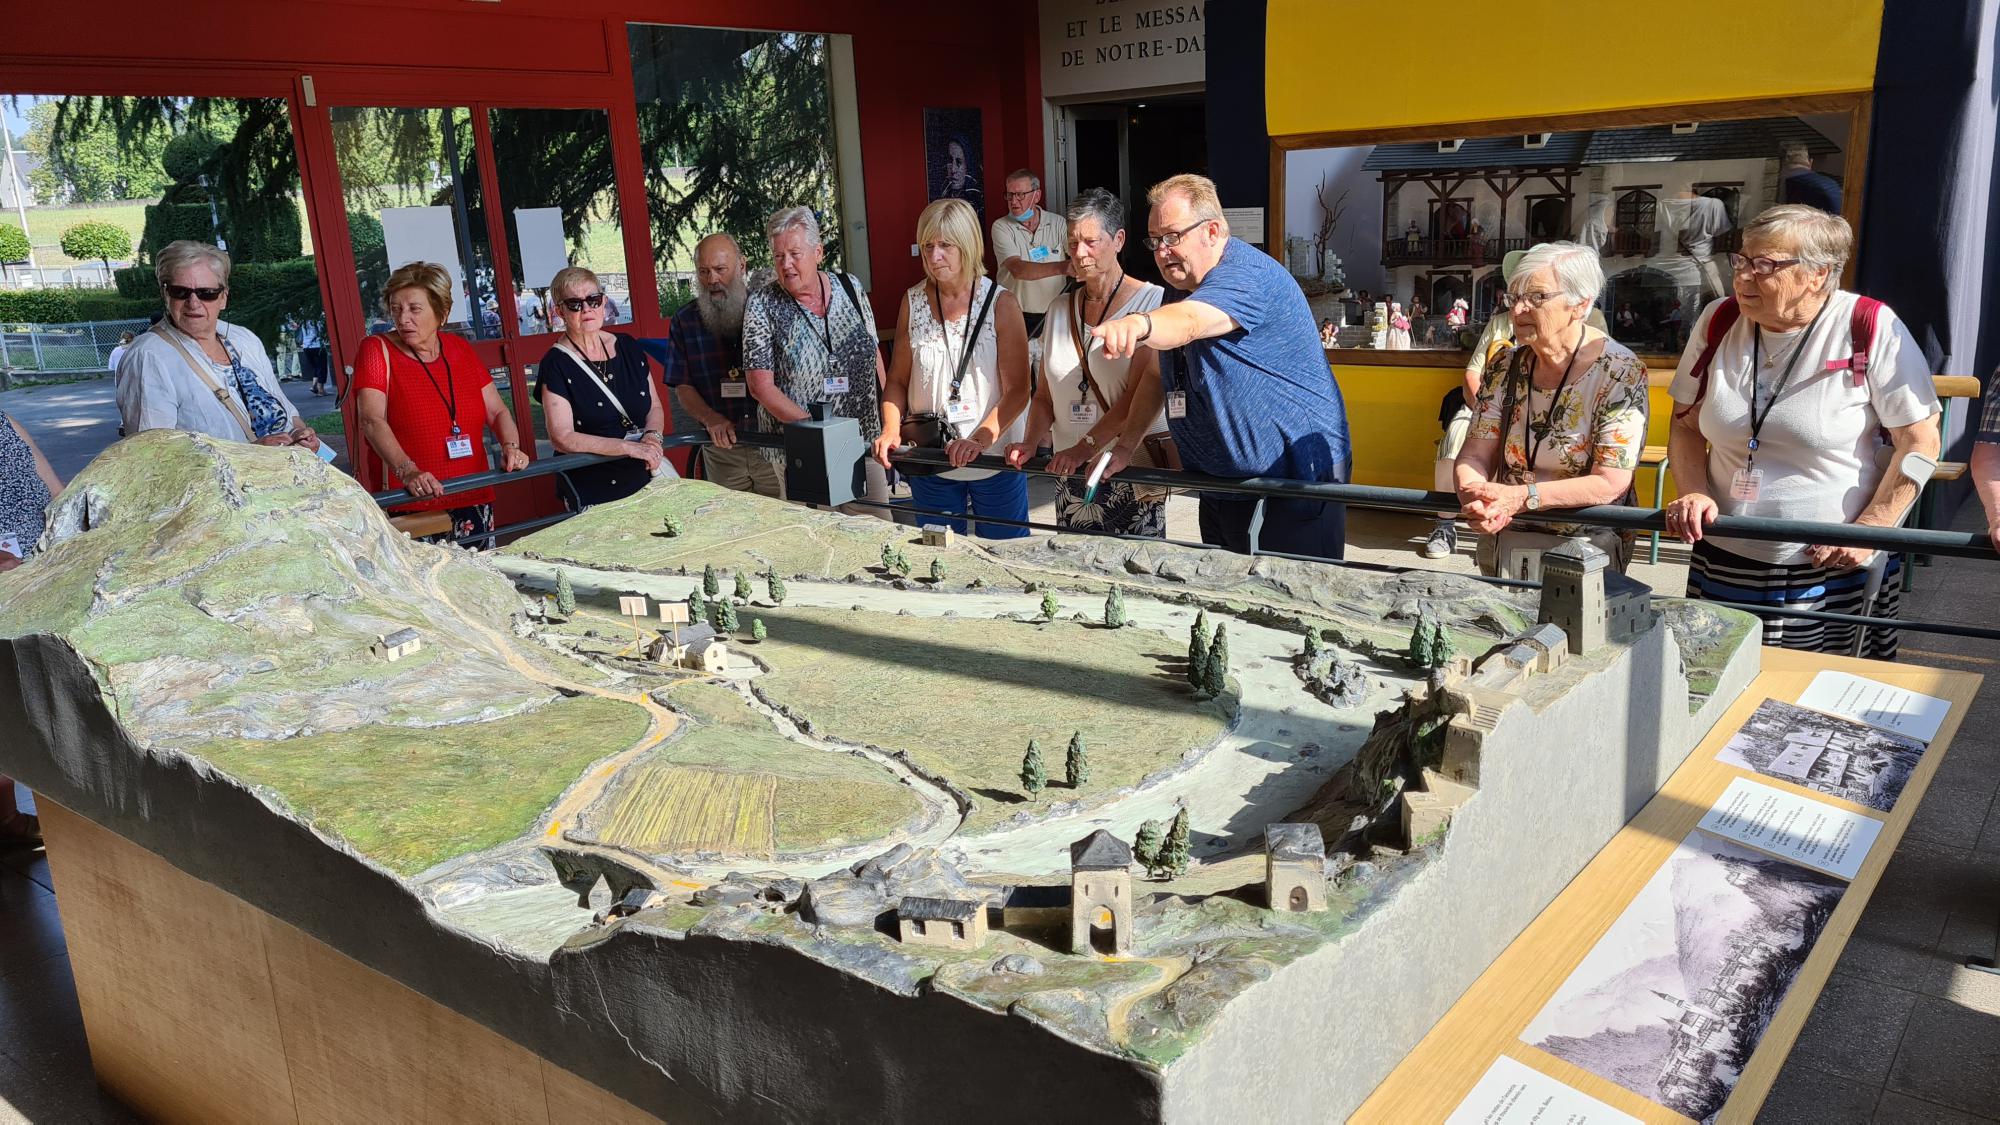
column 395, row 646
column 1100, row 894
column 954, row 923
column 1294, row 868
column 1591, row 603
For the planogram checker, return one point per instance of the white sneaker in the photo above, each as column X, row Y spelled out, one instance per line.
column 1442, row 543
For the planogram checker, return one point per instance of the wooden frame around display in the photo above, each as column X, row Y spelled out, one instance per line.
column 1855, row 105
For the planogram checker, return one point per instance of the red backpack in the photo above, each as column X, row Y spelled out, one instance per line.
column 1860, row 338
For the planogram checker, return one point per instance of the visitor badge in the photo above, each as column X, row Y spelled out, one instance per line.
column 458, row 447
column 959, row 411
column 1176, row 404
column 836, row 384
column 734, row 386
column 1083, row 413
column 1747, row 485
column 326, row 453
column 12, row 545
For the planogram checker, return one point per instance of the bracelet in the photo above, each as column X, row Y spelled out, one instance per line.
column 1148, row 333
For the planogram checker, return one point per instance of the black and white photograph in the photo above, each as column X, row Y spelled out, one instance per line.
column 955, row 156
column 1671, row 1002
column 1824, row 753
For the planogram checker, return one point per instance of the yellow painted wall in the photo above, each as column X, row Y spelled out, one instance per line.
column 1334, row 65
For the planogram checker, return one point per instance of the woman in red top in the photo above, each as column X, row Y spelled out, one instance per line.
column 425, row 401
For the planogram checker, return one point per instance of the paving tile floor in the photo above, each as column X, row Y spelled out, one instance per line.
column 1902, row 1033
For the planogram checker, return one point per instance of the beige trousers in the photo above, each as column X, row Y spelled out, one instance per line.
column 743, row 469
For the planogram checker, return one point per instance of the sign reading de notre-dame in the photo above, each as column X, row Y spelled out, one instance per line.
column 1103, row 46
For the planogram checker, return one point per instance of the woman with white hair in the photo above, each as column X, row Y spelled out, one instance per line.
column 192, row 371
column 809, row 338
column 1562, row 423
column 1784, row 394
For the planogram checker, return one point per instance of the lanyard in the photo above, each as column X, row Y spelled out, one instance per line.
column 1529, row 446
column 825, row 322
column 1083, row 337
column 944, row 333
column 1756, row 363
column 450, row 404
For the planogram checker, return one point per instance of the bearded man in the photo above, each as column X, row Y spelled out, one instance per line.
column 702, row 360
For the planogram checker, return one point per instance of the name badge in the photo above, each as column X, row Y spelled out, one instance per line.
column 1746, row 485
column 12, row 546
column 836, row 384
column 734, row 386
column 1176, row 404
column 458, row 447
column 1083, row 413
column 959, row 410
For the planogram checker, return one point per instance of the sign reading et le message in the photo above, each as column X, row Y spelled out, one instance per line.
column 1098, row 46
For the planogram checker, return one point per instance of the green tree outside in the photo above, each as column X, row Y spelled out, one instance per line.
column 102, row 241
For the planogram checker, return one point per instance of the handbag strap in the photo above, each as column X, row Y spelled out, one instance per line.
column 971, row 337
column 563, row 347
column 226, row 398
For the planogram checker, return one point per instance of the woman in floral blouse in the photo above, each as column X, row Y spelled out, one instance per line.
column 1563, row 423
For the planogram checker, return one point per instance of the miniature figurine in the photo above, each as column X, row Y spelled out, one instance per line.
column 1050, row 607
column 742, row 587
column 1033, row 776
column 955, row 923
column 395, row 646
column 1114, row 609
column 1077, row 765
column 1399, row 329
column 774, row 587
column 1174, row 855
column 565, row 594
column 1294, row 868
column 710, row 584
column 1146, row 847
column 1100, row 894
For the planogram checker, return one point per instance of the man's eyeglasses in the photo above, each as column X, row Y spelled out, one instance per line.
column 207, row 293
column 1022, row 194
column 1534, row 299
column 578, row 304
column 1759, row 267
column 1172, row 238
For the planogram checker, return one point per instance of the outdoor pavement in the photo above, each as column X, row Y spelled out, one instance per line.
column 1902, row 1033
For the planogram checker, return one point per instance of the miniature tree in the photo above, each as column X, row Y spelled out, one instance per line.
column 671, row 526
column 1050, row 607
column 725, row 613
column 937, row 570
column 710, row 584
column 1441, row 650
column 774, row 587
column 1215, row 674
column 1197, row 653
column 1420, row 640
column 1174, row 854
column 742, row 587
column 1077, row 766
column 1033, row 776
column 1201, row 623
column 697, row 606
column 1312, row 644
column 1146, row 846
column 888, row 557
column 901, row 563
column 565, row 594
column 1114, row 609
column 715, row 615
column 757, row 632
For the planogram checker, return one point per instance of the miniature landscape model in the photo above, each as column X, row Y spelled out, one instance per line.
column 745, row 810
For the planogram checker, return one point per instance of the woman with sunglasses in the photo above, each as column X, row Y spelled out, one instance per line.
column 1775, row 417
column 597, row 395
column 425, row 402
column 192, row 371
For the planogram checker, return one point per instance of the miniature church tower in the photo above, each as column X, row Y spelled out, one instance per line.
column 1100, row 884
column 1573, row 594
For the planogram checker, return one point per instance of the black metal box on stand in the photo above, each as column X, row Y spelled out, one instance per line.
column 823, row 459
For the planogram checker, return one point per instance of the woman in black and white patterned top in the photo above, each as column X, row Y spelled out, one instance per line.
column 27, row 485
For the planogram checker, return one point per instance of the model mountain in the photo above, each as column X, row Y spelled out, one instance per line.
column 220, row 589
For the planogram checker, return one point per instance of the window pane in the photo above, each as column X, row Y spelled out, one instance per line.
column 410, row 182
column 1394, row 235
column 557, row 184
column 732, row 126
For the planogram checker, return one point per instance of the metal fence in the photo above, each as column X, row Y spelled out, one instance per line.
column 61, row 349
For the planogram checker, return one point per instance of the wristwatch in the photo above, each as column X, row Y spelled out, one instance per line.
column 1534, row 498
column 1090, row 441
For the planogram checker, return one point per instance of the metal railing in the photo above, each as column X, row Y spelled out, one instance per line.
column 63, row 348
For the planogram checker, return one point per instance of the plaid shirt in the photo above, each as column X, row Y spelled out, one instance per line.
column 1989, row 419
column 692, row 356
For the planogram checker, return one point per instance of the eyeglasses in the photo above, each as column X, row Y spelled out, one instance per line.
column 207, row 293
column 1759, row 267
column 578, row 304
column 1534, row 299
column 1172, row 238
column 1022, row 194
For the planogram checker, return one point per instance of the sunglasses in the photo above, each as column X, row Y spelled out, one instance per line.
column 578, row 304
column 207, row 293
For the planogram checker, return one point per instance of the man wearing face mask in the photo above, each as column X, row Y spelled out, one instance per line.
column 701, row 358
column 1029, row 244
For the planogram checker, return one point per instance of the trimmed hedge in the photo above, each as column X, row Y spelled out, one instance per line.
column 71, row 306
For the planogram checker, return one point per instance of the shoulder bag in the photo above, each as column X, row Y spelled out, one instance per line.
column 222, row 395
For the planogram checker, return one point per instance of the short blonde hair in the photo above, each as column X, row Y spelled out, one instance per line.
column 180, row 254
column 569, row 277
column 953, row 221
column 1203, row 201
column 430, row 277
column 1819, row 239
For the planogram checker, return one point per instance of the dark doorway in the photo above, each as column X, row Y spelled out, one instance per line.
column 1104, row 939
column 1127, row 147
column 1297, row 902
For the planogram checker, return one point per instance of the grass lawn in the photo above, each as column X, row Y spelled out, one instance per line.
column 964, row 695
column 410, row 798
column 46, row 224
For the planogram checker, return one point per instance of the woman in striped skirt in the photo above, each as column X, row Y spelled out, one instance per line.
column 1780, row 416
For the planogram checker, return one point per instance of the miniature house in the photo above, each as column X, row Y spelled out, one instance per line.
column 1294, row 868
column 936, row 535
column 709, row 654
column 698, row 647
column 954, row 923
column 395, row 646
column 1550, row 644
column 1100, row 904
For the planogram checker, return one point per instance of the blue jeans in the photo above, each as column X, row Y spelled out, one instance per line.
column 1002, row 496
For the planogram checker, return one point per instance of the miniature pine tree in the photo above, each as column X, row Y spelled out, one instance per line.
column 757, row 632
column 1114, row 609
column 725, row 612
column 937, row 570
column 671, row 526
column 1442, row 650
column 1420, row 640
column 1050, row 607
column 901, row 563
column 1218, row 652
column 742, row 587
column 1215, row 674
column 1033, row 776
column 1146, row 846
column 1197, row 654
column 774, row 587
column 710, row 584
column 1201, row 625
column 1077, row 766
column 565, row 593
column 1312, row 644
column 888, row 557
column 1174, row 855
column 697, row 606
column 715, row 614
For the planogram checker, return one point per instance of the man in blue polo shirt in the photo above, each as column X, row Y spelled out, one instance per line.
column 1245, row 383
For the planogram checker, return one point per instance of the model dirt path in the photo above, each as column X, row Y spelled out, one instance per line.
column 1257, row 773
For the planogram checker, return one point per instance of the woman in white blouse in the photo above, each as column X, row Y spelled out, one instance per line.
column 961, row 357
column 1083, row 401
